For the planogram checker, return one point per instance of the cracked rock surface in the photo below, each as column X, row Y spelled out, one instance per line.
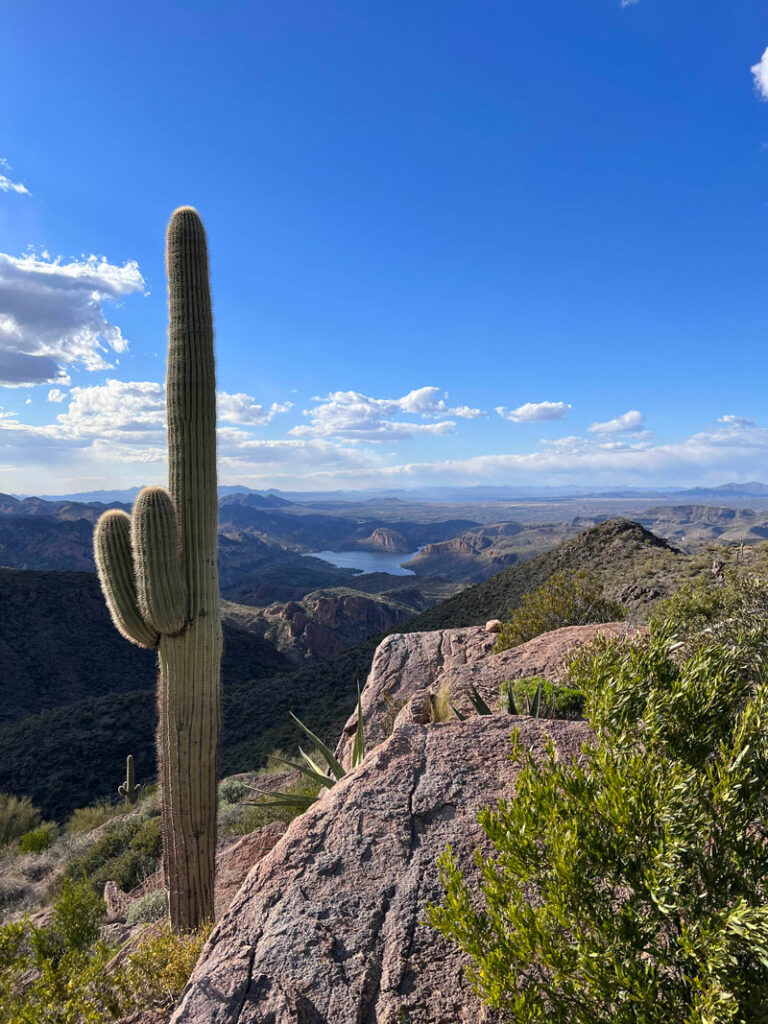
column 328, row 926
column 454, row 660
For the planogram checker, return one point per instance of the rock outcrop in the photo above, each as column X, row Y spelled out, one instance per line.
column 384, row 539
column 329, row 926
column 450, row 661
column 326, row 622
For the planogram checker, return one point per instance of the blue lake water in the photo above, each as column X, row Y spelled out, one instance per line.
column 367, row 561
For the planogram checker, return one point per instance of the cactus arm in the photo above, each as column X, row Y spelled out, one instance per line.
column 114, row 562
column 160, row 587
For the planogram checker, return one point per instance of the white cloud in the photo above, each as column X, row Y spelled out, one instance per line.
column 736, row 421
column 726, row 453
column 127, row 411
column 760, row 75
column 424, row 402
column 241, row 408
column 53, row 315
column 628, row 423
column 114, row 435
column 353, row 416
column 534, row 412
column 629, row 3
column 56, row 395
column 7, row 185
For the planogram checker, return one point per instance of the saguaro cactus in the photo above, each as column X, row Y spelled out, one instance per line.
column 159, row 576
column 128, row 789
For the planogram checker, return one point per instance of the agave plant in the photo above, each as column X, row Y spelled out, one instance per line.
column 482, row 708
column 326, row 777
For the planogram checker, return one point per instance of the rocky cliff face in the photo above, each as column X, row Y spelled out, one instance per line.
column 328, row 927
column 326, row 622
column 452, row 660
column 384, row 539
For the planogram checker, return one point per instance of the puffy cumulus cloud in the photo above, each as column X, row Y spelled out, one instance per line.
column 534, row 412
column 425, row 402
column 760, row 75
column 352, row 416
column 241, row 408
column 628, row 423
column 53, row 315
column 7, row 185
column 124, row 422
column 131, row 412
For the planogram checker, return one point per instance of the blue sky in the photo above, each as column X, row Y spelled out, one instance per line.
column 418, row 215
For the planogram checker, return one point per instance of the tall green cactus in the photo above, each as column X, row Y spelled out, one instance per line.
column 159, row 576
column 128, row 789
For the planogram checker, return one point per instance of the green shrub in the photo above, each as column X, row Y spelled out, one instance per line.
column 17, row 816
column 77, row 914
column 233, row 791
column 157, row 972
column 150, row 907
column 126, row 853
column 566, row 599
column 632, row 887
column 86, row 819
column 557, row 700
column 39, row 839
column 43, row 983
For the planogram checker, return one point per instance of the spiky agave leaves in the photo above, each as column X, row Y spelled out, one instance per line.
column 325, row 777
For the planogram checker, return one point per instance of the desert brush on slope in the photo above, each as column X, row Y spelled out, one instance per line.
column 631, row 887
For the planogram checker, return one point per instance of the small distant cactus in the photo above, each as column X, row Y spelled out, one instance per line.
column 159, row 576
column 128, row 789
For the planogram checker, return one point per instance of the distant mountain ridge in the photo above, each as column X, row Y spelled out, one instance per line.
column 479, row 492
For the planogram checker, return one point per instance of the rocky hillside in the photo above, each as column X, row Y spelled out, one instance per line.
column 632, row 563
column 77, row 653
column 627, row 558
column 325, row 622
column 691, row 526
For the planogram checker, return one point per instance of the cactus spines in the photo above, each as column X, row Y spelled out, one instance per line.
column 160, row 588
column 114, row 562
column 128, row 789
column 160, row 579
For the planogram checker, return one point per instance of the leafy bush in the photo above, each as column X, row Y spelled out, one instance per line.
column 232, row 791
column 148, row 908
column 126, row 853
column 160, row 968
column 557, row 700
column 77, row 914
column 17, row 816
column 566, row 599
column 42, row 982
column 39, row 839
column 86, row 819
column 632, row 887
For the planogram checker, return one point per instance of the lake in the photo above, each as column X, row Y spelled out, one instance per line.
column 367, row 561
